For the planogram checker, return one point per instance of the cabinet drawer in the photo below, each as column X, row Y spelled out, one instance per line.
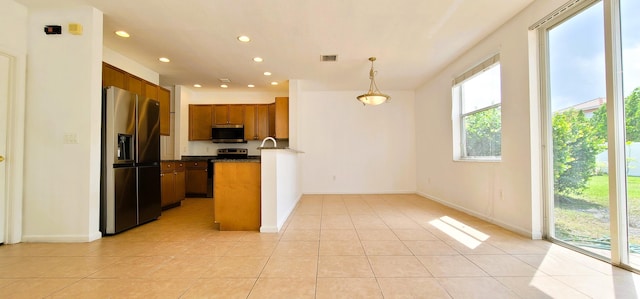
column 167, row 167
column 196, row 164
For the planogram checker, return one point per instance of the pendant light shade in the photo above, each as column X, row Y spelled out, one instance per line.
column 373, row 96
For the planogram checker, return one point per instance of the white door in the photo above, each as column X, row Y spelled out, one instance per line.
column 5, row 69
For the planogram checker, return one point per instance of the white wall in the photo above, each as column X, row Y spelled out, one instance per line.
column 193, row 96
column 350, row 148
column 504, row 192
column 62, row 181
column 13, row 42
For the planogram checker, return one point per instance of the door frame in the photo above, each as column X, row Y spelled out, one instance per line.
column 14, row 179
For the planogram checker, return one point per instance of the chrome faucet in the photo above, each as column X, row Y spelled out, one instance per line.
column 269, row 138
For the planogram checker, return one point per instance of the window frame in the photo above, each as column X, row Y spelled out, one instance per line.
column 460, row 145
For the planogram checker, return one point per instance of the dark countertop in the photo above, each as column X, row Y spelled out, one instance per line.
column 216, row 159
column 237, row 160
column 197, row 158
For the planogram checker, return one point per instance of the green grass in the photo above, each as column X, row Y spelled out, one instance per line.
column 584, row 218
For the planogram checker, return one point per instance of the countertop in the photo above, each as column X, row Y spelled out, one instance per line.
column 279, row 148
column 251, row 159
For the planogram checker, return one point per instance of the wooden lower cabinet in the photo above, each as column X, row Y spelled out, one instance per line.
column 237, row 196
column 172, row 184
column 196, row 178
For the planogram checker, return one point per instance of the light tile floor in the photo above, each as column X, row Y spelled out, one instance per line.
column 332, row 246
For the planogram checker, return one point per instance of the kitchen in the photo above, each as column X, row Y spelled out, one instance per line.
column 232, row 128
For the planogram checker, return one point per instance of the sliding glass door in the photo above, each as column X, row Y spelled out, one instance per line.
column 630, row 64
column 577, row 104
column 591, row 83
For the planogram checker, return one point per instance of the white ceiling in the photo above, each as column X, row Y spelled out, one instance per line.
column 412, row 39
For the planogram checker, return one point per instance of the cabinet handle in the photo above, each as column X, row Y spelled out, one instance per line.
column 206, row 170
column 162, row 174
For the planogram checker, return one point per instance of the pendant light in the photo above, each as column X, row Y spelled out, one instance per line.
column 373, row 96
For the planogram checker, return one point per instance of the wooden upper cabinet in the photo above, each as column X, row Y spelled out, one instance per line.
column 228, row 114
column 236, row 114
column 200, row 117
column 135, row 84
column 150, row 90
column 282, row 117
column 263, row 122
column 272, row 120
column 164, row 97
column 256, row 121
column 220, row 114
column 112, row 76
column 250, row 114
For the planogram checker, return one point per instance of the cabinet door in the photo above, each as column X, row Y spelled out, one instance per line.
column 180, row 185
column 220, row 114
column 282, row 117
column 272, row 120
column 236, row 114
column 167, row 183
column 164, row 97
column 112, row 76
column 263, row 121
column 250, row 132
column 199, row 122
column 150, row 90
column 135, row 84
column 196, row 178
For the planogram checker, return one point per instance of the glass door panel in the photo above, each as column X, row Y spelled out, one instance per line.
column 579, row 214
column 630, row 37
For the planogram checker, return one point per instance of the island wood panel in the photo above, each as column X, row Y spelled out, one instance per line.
column 237, row 195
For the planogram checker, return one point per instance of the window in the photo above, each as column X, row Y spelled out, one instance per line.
column 477, row 118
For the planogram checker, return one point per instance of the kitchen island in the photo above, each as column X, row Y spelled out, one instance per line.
column 280, row 186
column 237, row 194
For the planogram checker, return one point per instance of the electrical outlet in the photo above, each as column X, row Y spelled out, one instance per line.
column 71, row 138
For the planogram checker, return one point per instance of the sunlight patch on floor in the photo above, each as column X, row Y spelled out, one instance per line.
column 459, row 231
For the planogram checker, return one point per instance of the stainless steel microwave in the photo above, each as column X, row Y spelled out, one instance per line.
column 227, row 134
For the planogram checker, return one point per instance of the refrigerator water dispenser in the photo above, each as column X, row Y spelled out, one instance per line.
column 125, row 147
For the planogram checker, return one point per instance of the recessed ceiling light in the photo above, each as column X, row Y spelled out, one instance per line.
column 257, row 59
column 224, row 86
column 274, row 83
column 244, row 38
column 251, row 86
column 267, row 73
column 164, row 59
column 197, row 85
column 122, row 33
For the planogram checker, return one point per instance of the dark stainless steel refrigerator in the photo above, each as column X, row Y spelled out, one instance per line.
column 130, row 183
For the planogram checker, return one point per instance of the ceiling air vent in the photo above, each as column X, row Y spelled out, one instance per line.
column 224, row 80
column 328, row 58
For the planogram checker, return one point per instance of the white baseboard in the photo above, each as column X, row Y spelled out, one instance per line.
column 515, row 229
column 62, row 238
column 268, row 229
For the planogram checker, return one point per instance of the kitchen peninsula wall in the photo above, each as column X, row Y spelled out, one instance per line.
column 189, row 96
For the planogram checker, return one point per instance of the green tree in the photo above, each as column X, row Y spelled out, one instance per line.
column 575, row 146
column 631, row 114
column 483, row 133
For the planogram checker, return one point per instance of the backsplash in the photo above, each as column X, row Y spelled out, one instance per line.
column 207, row 148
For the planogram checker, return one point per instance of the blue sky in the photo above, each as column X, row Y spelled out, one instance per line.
column 576, row 49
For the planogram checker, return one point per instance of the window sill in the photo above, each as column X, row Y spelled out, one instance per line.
column 481, row 160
